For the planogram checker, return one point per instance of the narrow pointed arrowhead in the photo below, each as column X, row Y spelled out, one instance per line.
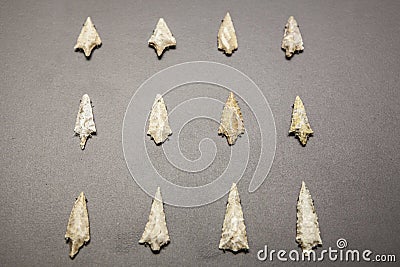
column 156, row 233
column 234, row 235
column 162, row 37
column 159, row 128
column 300, row 125
column 308, row 234
column 231, row 124
column 292, row 40
column 227, row 40
column 88, row 38
column 78, row 226
column 84, row 125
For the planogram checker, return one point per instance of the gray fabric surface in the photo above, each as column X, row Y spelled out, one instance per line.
column 347, row 76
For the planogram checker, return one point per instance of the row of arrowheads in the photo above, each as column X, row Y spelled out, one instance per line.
column 231, row 124
column 162, row 37
column 233, row 237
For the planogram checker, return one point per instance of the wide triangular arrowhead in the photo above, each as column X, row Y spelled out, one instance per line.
column 78, row 226
column 231, row 124
column 161, row 37
column 159, row 128
column 234, row 235
column 227, row 40
column 292, row 40
column 156, row 233
column 88, row 38
column 84, row 125
column 300, row 125
column 308, row 234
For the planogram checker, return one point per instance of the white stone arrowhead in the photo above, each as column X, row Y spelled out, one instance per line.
column 308, row 234
column 84, row 125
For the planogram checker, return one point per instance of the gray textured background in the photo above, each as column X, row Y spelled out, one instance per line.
column 347, row 77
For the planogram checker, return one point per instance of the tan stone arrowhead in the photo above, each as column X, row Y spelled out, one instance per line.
column 227, row 40
column 234, row 235
column 78, row 226
column 231, row 124
column 156, row 232
column 88, row 38
column 308, row 234
column 162, row 37
column 292, row 40
column 84, row 125
column 159, row 128
column 300, row 125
